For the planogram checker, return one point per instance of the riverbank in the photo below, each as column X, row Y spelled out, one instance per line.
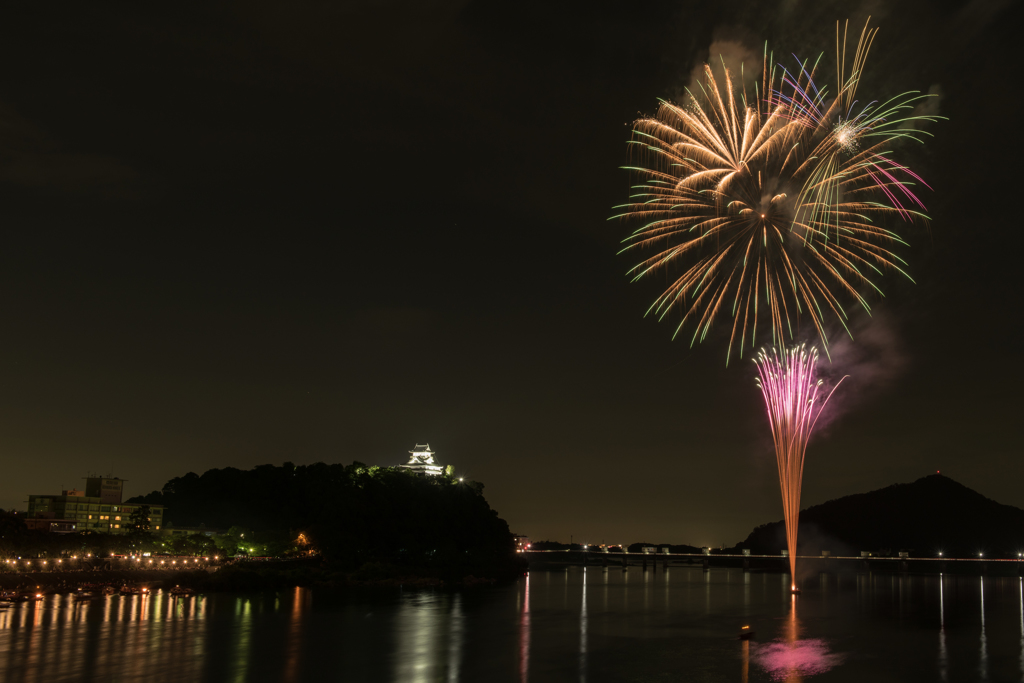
column 315, row 573
column 250, row 576
column 71, row 581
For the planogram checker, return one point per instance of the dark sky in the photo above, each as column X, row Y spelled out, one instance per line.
column 257, row 232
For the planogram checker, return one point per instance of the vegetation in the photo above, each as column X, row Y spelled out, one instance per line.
column 338, row 524
column 353, row 516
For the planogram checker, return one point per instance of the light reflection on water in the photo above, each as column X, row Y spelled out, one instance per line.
column 983, row 662
column 583, row 631
column 1020, row 585
column 428, row 637
column 792, row 658
column 943, row 663
column 593, row 625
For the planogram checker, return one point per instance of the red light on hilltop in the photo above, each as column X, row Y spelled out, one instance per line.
column 938, row 472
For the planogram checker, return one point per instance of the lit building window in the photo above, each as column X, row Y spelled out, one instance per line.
column 118, row 518
column 158, row 528
column 117, row 526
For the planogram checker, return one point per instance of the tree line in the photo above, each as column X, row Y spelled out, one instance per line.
column 348, row 513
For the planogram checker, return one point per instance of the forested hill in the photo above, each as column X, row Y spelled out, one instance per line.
column 929, row 515
column 355, row 512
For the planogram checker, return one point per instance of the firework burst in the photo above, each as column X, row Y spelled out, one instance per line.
column 792, row 395
column 771, row 205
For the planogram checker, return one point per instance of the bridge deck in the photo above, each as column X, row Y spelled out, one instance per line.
column 591, row 553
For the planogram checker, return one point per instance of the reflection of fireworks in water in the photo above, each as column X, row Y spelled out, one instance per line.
column 791, row 394
column 786, row 661
column 771, row 199
column 791, row 658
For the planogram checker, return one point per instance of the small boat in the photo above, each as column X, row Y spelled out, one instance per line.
column 82, row 596
column 180, row 592
column 746, row 633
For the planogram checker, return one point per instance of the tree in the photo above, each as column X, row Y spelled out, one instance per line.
column 139, row 536
column 193, row 544
column 353, row 514
column 138, row 521
column 12, row 531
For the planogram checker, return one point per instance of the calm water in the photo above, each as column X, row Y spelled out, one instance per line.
column 574, row 625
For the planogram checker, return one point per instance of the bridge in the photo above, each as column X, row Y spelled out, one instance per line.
column 540, row 559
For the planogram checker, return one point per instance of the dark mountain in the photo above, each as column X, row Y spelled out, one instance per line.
column 925, row 517
column 353, row 513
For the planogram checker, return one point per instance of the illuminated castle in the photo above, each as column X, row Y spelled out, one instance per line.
column 421, row 461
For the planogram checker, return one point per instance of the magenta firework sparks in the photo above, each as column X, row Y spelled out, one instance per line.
column 791, row 394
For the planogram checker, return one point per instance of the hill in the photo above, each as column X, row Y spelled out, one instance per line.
column 353, row 514
column 929, row 515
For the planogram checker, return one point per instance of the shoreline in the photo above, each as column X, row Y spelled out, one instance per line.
column 70, row 581
column 272, row 575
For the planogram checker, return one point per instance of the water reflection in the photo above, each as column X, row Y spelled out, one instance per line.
column 428, row 626
column 524, row 634
column 293, row 649
column 456, row 629
column 983, row 661
column 943, row 657
column 583, row 632
column 791, row 658
column 244, row 641
column 119, row 637
column 528, row 633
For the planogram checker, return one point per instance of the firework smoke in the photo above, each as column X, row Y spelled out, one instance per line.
column 791, row 394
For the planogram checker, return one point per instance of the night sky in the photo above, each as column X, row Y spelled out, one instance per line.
column 258, row 232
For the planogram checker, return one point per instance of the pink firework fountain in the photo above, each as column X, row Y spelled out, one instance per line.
column 791, row 393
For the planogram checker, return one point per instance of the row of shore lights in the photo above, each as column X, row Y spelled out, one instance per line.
column 1019, row 555
column 75, row 557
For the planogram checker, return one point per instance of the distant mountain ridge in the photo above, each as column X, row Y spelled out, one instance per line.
column 932, row 514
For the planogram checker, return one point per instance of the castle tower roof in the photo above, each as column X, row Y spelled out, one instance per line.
column 421, row 461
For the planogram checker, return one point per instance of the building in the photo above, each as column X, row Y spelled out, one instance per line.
column 171, row 530
column 97, row 508
column 421, row 461
column 56, row 526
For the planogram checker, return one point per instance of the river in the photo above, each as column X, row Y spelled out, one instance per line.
column 567, row 625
